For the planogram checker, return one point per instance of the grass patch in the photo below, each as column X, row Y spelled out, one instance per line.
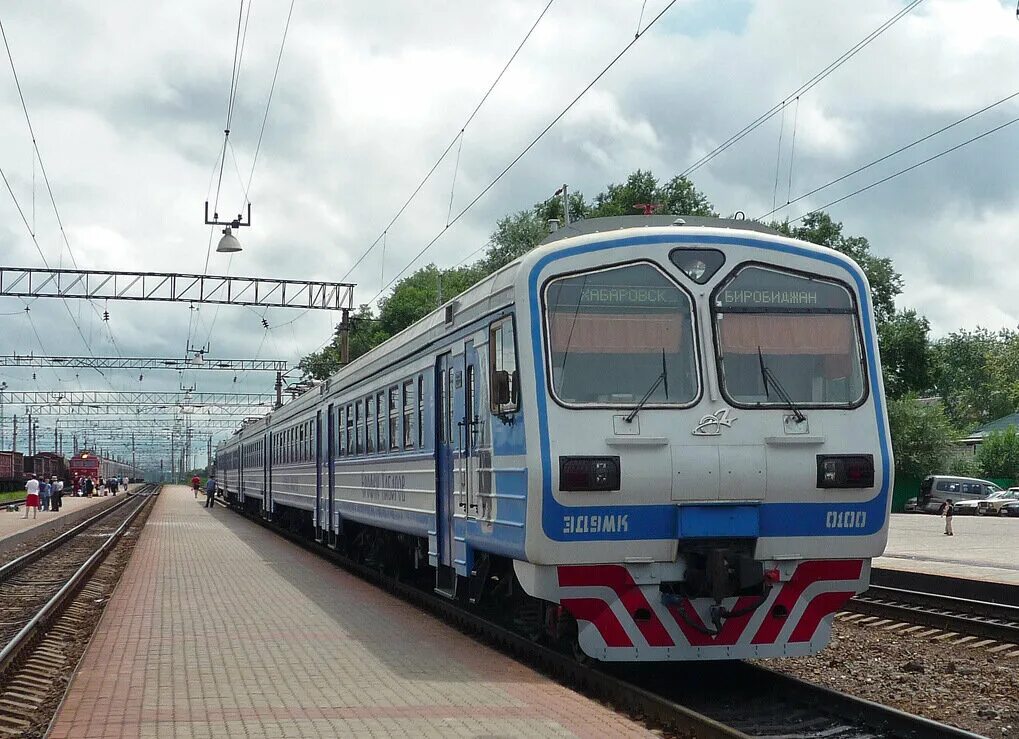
column 7, row 497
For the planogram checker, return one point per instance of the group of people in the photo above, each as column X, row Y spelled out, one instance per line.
column 46, row 495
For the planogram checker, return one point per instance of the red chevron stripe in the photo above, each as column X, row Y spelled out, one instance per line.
column 629, row 593
column 600, row 614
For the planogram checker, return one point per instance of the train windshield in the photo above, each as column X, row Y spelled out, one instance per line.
column 781, row 333
column 612, row 333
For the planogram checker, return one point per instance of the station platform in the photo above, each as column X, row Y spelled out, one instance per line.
column 983, row 548
column 219, row 628
column 14, row 525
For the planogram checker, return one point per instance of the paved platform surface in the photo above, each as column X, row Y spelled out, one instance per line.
column 220, row 629
column 14, row 522
column 983, row 548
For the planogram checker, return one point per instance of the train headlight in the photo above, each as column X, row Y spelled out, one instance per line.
column 583, row 474
column 845, row 470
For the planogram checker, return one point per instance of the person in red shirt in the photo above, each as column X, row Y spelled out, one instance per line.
column 195, row 484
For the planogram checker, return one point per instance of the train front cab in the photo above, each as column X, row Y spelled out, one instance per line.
column 710, row 470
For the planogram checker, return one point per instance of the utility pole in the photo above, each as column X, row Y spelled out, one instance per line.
column 173, row 457
column 14, row 438
column 75, row 440
column 30, row 433
column 133, row 463
column 279, row 389
column 208, row 459
column 566, row 205
column 345, row 338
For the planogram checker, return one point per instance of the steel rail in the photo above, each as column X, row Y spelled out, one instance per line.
column 647, row 698
column 986, row 620
column 24, row 638
column 16, row 565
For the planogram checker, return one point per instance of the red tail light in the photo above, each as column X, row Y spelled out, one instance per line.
column 845, row 470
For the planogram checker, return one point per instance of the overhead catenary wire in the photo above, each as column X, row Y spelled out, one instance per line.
column 452, row 143
column 37, row 156
column 910, row 168
column 802, row 89
column 258, row 147
column 891, row 154
column 529, row 146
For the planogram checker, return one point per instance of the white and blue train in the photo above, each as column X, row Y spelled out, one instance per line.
column 656, row 438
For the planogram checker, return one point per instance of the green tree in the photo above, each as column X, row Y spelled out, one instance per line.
column 921, row 436
column 998, row 454
column 885, row 282
column 966, row 467
column 905, row 354
column 974, row 372
column 676, row 197
column 516, row 235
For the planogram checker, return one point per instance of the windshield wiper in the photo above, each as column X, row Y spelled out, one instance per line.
column 769, row 378
column 662, row 378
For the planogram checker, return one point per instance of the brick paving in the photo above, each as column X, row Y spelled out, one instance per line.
column 221, row 629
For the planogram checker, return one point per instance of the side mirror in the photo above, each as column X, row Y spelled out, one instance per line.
column 500, row 387
column 515, row 388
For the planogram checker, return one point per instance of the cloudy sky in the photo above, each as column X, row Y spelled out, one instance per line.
column 128, row 100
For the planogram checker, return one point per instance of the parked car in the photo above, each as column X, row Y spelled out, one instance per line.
column 992, row 506
column 969, row 507
column 936, row 489
column 1010, row 509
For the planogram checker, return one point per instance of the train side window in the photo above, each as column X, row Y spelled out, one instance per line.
column 359, row 425
column 339, row 431
column 394, row 418
column 380, row 423
column 447, row 405
column 408, row 414
column 502, row 359
column 421, row 412
column 369, row 424
column 350, row 430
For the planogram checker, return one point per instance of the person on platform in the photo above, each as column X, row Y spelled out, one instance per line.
column 44, row 494
column 57, row 496
column 88, row 487
column 195, row 484
column 114, row 484
column 947, row 510
column 210, row 492
column 32, row 496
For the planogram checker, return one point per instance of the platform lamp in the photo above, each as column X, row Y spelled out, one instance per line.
column 229, row 243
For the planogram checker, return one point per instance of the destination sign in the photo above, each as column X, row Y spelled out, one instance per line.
column 756, row 287
column 629, row 296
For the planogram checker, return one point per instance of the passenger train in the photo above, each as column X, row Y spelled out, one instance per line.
column 655, row 438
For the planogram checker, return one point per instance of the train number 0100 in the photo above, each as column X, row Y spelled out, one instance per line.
column 846, row 520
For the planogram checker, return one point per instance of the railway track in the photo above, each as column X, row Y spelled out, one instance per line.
column 966, row 616
column 716, row 699
column 46, row 598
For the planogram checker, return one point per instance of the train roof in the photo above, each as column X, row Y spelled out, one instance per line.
column 618, row 223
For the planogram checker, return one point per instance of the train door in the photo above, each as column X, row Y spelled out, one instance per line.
column 319, row 496
column 331, row 422
column 267, row 495
column 469, row 435
column 266, row 464
column 445, row 575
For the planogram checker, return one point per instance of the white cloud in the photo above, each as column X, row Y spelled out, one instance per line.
column 128, row 102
